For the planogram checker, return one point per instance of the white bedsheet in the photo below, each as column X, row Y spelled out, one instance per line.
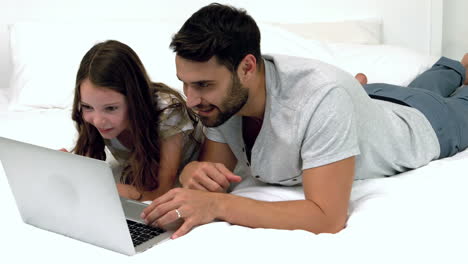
column 416, row 217
column 48, row 128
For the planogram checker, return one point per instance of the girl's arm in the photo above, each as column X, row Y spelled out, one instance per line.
column 171, row 156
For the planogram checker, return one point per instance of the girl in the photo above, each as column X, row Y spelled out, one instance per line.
column 146, row 126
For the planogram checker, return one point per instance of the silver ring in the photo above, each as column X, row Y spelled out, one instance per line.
column 178, row 213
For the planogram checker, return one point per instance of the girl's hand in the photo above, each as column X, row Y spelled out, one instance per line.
column 63, row 150
column 128, row 192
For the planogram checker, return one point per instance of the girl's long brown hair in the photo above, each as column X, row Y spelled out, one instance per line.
column 116, row 66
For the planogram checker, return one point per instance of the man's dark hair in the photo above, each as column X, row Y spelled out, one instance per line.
column 218, row 30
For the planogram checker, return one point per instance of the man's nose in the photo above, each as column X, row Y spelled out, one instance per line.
column 193, row 97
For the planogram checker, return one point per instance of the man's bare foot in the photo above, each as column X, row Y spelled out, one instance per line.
column 362, row 78
column 464, row 62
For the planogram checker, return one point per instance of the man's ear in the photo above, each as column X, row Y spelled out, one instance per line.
column 247, row 68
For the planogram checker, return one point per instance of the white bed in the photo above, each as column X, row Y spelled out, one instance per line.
column 416, row 217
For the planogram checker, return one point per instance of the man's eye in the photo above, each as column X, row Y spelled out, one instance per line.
column 203, row 85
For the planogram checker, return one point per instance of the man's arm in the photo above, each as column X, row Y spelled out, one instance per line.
column 216, row 152
column 327, row 192
column 214, row 170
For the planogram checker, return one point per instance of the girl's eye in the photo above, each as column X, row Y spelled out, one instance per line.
column 86, row 107
column 111, row 108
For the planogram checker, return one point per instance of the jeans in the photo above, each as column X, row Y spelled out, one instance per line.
column 437, row 93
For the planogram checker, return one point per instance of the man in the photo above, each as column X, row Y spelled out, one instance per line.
column 286, row 121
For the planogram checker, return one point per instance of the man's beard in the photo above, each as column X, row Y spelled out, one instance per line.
column 236, row 98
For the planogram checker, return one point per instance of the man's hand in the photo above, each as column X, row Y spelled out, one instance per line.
column 128, row 191
column 193, row 206
column 207, row 176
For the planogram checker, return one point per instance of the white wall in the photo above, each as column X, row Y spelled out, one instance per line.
column 455, row 34
column 5, row 61
column 12, row 11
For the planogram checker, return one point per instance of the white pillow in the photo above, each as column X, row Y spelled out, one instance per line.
column 366, row 31
column 277, row 40
column 382, row 63
column 46, row 57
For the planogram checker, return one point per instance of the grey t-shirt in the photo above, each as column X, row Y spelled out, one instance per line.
column 317, row 114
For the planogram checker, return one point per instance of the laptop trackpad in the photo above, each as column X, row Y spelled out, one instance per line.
column 133, row 209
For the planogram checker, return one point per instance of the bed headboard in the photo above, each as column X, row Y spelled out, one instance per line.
column 415, row 24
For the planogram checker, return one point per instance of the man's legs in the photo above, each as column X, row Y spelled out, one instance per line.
column 447, row 115
column 444, row 77
column 458, row 105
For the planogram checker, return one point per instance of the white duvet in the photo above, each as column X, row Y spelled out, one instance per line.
column 416, row 217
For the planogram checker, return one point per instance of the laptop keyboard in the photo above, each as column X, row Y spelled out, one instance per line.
column 141, row 233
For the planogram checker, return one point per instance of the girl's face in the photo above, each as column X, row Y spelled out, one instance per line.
column 104, row 108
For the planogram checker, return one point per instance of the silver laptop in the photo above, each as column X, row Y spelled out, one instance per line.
column 75, row 196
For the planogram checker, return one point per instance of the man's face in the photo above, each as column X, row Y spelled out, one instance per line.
column 212, row 91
